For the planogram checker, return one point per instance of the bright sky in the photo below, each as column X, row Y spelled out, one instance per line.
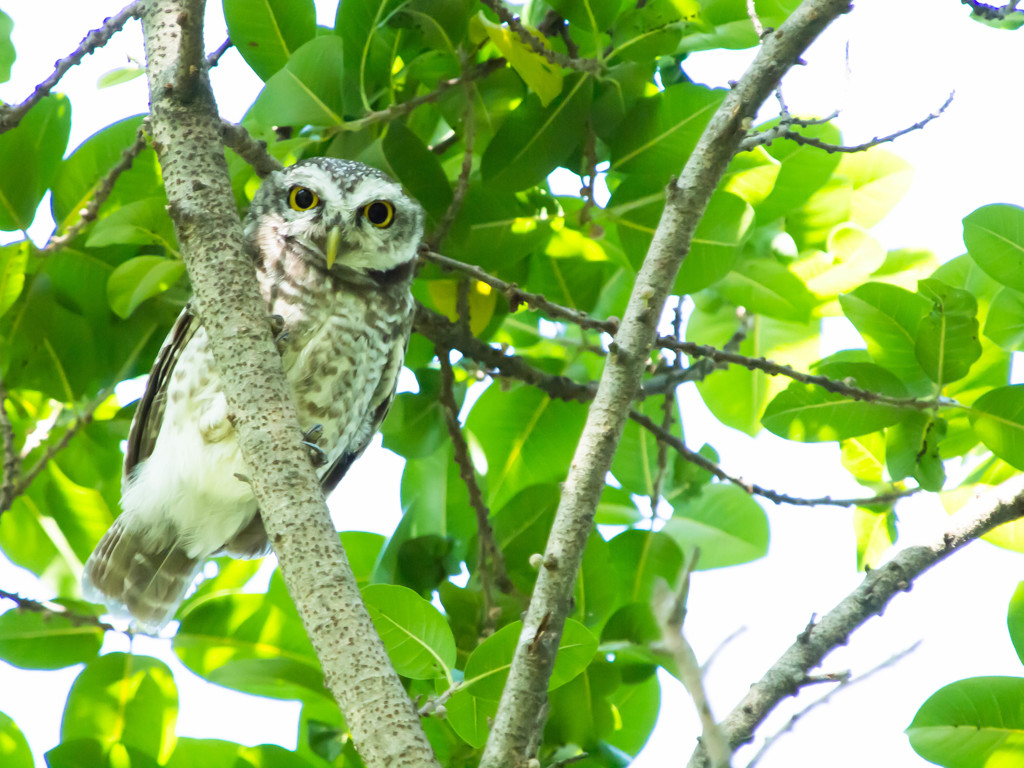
column 886, row 65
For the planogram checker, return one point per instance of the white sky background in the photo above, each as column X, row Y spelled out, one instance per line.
column 904, row 57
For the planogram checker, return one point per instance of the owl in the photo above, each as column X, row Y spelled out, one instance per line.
column 334, row 244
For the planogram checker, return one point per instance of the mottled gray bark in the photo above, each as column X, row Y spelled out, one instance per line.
column 522, row 710
column 186, row 134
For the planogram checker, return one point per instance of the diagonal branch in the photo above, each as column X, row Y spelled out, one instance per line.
column 187, row 134
column 9, row 464
column 516, row 723
column 870, row 598
column 97, row 38
column 55, row 609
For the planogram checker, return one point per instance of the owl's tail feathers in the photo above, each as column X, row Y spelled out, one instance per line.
column 138, row 578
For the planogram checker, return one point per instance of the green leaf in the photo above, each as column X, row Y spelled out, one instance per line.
column 33, row 640
column 30, row 157
column 267, row 32
column 308, row 91
column 521, row 529
column 541, row 76
column 636, row 710
column 972, row 723
column 994, row 236
column 1015, row 620
column 144, row 222
column 487, row 667
column 369, row 46
column 640, row 559
column 635, row 464
column 864, row 457
column 415, row 634
column 724, row 522
column 852, row 255
column 415, row 426
column 998, row 419
column 119, row 76
column 947, row 339
column 252, row 643
column 1007, row 19
column 912, row 449
column 804, row 169
column 534, row 138
column 417, row 168
column 7, row 52
column 362, row 549
column 766, row 287
column 470, row 717
column 580, row 712
column 14, row 751
column 888, row 318
column 527, row 437
column 141, row 278
column 808, row 413
column 124, row 698
column 662, row 130
column 716, row 243
column 751, row 175
column 875, row 533
column 1004, row 324
column 13, row 260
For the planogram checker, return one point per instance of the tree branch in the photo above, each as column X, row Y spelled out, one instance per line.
column 55, row 609
column 516, row 723
column 249, row 149
column 9, row 464
column 187, row 135
column 97, row 38
column 593, row 66
column 875, row 592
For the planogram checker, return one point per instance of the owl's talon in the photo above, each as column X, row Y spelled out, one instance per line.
column 310, row 438
column 279, row 331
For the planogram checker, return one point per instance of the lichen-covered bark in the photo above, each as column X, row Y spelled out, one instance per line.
column 186, row 134
column 521, row 713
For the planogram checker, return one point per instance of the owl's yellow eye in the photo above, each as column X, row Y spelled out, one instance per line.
column 380, row 213
column 302, row 198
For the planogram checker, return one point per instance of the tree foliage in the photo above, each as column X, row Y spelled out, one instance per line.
column 473, row 112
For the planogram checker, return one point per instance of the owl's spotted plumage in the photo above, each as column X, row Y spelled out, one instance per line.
column 334, row 243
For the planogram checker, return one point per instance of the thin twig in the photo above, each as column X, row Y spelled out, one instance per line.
column 517, row 296
column 55, row 609
column 670, row 609
column 97, row 38
column 844, row 681
column 991, row 12
column 489, row 551
column 593, row 66
column 10, row 459
column 753, row 488
column 214, row 58
column 462, row 183
column 777, row 369
column 254, row 152
column 784, row 131
column 91, row 210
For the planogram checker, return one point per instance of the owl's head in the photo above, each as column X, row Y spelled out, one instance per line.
column 338, row 211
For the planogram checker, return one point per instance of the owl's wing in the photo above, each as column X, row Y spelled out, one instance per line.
column 150, row 412
column 379, row 407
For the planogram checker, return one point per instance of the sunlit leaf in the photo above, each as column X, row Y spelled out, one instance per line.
column 994, row 235
column 724, row 523
column 415, row 634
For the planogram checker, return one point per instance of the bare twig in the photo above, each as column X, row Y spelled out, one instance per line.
column 9, row 465
column 844, row 681
column 97, row 38
column 870, row 598
column 777, row 369
column 593, row 66
column 784, row 130
column 54, row 609
column 462, row 184
column 517, row 296
column 254, row 152
column 491, row 556
column 670, row 609
column 106, row 185
column 214, row 58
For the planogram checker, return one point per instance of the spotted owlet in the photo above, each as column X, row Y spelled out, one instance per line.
column 334, row 244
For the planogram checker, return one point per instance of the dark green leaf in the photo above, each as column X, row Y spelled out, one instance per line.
column 124, row 698
column 417, row 168
column 267, row 32
column 972, row 723
column 535, row 139
column 33, row 640
column 139, row 279
column 640, row 558
column 368, row 46
column 30, row 157
column 308, row 91
column 724, row 522
column 415, row 634
column 766, row 287
column 470, row 717
column 521, row 529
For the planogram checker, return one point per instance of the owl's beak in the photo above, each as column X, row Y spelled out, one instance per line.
column 333, row 238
